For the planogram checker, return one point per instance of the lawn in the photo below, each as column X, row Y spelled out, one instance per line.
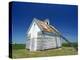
column 25, row 53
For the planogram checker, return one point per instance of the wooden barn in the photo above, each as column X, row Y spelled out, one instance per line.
column 41, row 35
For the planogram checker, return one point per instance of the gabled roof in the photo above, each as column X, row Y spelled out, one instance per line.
column 46, row 27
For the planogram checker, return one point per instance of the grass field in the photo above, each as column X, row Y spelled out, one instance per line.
column 19, row 51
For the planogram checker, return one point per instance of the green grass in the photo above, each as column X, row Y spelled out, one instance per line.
column 19, row 51
column 18, row 46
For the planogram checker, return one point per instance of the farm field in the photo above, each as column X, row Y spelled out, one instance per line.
column 19, row 51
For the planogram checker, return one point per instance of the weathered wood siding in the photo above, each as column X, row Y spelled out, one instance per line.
column 48, row 42
column 59, row 41
column 43, row 42
column 31, row 37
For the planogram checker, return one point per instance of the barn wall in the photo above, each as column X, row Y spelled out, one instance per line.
column 59, row 42
column 43, row 42
column 32, row 35
column 32, row 44
column 39, row 44
column 48, row 42
column 34, row 30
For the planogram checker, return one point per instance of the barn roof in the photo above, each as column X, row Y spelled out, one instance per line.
column 46, row 27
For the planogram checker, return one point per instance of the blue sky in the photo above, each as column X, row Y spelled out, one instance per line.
column 63, row 17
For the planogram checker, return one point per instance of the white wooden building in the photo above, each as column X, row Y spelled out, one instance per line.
column 41, row 35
